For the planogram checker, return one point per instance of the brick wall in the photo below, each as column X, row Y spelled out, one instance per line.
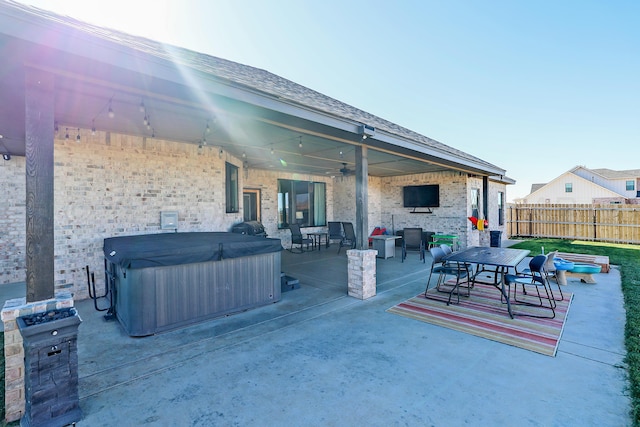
column 448, row 218
column 12, row 220
column 344, row 208
column 110, row 185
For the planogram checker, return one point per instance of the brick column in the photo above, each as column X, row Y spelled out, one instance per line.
column 362, row 273
column 14, row 397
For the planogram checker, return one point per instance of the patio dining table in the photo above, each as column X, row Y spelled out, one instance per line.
column 501, row 258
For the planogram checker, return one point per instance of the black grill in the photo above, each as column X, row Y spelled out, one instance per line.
column 251, row 228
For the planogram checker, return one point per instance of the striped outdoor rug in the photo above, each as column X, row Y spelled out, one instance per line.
column 482, row 314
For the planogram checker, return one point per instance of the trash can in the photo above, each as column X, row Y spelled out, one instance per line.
column 495, row 238
column 50, row 342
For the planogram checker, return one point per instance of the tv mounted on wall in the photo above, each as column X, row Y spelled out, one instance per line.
column 421, row 196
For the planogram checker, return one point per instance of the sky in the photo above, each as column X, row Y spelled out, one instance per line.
column 533, row 87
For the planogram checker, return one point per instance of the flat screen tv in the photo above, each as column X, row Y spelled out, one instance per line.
column 421, row 196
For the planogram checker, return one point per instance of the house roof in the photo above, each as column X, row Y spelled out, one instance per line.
column 286, row 112
column 535, row 188
column 612, row 174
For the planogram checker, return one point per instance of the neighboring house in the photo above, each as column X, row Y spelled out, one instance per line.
column 111, row 130
column 581, row 185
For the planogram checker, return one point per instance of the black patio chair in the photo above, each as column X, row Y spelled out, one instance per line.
column 412, row 241
column 535, row 278
column 349, row 238
column 297, row 239
column 444, row 269
column 335, row 231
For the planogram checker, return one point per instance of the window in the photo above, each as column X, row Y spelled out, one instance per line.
column 630, row 185
column 475, row 204
column 500, row 208
column 568, row 187
column 251, row 204
column 231, row 188
column 301, row 202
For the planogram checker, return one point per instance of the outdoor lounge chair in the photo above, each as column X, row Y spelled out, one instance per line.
column 349, row 238
column 297, row 239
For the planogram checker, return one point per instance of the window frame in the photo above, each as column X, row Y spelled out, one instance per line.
column 500, row 208
column 304, row 202
column 475, row 205
column 231, row 188
column 568, row 187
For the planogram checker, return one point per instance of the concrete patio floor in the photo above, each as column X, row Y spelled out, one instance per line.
column 321, row 358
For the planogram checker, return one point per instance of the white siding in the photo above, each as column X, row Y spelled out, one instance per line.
column 618, row 185
column 584, row 191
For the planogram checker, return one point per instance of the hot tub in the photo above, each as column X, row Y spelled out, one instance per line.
column 165, row 281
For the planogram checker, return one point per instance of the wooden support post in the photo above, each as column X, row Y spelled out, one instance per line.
column 39, row 133
column 362, row 198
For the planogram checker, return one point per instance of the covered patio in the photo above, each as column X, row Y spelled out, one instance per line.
column 127, row 128
column 319, row 357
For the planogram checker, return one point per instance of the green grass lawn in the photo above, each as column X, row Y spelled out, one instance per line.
column 627, row 257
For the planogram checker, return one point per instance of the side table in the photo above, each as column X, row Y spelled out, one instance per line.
column 385, row 245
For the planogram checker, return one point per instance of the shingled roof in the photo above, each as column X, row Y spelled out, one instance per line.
column 250, row 77
column 613, row 174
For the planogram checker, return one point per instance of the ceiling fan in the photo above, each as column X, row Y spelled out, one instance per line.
column 345, row 171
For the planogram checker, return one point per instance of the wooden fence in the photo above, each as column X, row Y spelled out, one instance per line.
column 605, row 223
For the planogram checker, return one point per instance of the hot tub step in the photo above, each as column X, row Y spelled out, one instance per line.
column 288, row 283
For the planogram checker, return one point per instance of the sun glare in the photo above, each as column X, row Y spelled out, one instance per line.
column 146, row 18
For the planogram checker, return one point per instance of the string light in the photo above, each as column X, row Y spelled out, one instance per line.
column 111, row 113
column 78, row 136
column 93, row 127
column 66, row 135
column 142, row 109
column 300, row 143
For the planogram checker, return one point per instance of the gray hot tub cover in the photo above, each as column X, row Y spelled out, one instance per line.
column 152, row 250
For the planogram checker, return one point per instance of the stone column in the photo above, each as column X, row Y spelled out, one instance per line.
column 362, row 273
column 14, row 393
